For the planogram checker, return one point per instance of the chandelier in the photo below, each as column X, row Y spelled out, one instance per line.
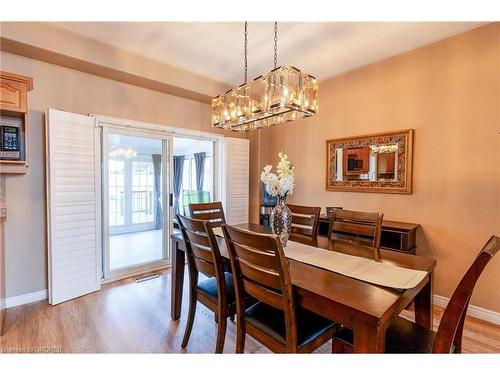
column 282, row 95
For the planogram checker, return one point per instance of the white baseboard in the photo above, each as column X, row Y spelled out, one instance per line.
column 475, row 311
column 23, row 299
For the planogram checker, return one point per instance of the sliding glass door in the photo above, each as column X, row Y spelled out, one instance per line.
column 136, row 212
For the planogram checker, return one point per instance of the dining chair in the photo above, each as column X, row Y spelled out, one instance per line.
column 212, row 211
column 305, row 220
column 217, row 291
column 361, row 227
column 404, row 336
column 260, row 269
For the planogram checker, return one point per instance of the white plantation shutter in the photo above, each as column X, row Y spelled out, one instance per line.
column 236, row 184
column 73, row 205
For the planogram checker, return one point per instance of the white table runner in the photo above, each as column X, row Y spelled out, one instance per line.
column 356, row 267
column 348, row 265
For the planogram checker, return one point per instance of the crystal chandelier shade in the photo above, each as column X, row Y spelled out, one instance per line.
column 282, row 95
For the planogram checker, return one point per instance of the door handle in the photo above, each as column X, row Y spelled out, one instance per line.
column 170, row 200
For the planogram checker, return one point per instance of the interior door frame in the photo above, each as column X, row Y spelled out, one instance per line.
column 108, row 274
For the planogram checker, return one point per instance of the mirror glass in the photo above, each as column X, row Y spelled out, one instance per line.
column 371, row 163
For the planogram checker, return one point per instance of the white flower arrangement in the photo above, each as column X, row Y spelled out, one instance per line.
column 280, row 185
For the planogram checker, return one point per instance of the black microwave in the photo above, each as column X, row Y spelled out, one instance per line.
column 11, row 147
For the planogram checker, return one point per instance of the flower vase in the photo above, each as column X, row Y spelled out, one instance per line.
column 281, row 221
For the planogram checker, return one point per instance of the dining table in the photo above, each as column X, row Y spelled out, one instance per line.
column 366, row 308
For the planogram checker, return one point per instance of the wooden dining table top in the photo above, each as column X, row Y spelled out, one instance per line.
column 371, row 302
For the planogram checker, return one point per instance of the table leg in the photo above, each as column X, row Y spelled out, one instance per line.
column 424, row 303
column 369, row 339
column 177, row 281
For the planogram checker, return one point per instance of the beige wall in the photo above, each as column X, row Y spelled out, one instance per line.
column 73, row 91
column 449, row 92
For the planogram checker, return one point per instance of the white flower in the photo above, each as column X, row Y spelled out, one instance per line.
column 272, row 185
column 283, row 183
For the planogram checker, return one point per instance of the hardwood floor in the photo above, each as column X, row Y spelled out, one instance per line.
column 129, row 317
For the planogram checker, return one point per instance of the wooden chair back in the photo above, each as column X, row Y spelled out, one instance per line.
column 305, row 220
column 362, row 227
column 450, row 329
column 212, row 211
column 203, row 254
column 260, row 270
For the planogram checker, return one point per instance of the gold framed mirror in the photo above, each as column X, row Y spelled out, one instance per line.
column 374, row 163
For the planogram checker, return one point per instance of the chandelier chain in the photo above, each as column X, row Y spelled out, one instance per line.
column 246, row 50
column 275, row 45
column 273, row 98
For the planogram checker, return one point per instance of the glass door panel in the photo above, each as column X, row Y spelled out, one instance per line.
column 136, row 170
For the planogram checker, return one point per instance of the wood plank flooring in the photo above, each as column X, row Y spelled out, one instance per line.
column 129, row 317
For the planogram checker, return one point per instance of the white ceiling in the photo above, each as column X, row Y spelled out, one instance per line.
column 189, row 146
column 215, row 49
column 142, row 145
column 146, row 146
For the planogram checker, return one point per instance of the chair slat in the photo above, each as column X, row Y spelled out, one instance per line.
column 304, row 210
column 305, row 232
column 206, row 268
column 212, row 211
column 256, row 257
column 202, row 252
column 208, row 215
column 354, row 228
column 263, row 294
column 371, row 217
column 198, row 238
column 302, row 220
column 262, row 276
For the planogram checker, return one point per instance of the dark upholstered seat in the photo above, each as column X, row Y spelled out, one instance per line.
column 402, row 336
column 209, row 287
column 272, row 322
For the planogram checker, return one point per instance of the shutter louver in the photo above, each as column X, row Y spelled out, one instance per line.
column 237, row 153
column 73, row 205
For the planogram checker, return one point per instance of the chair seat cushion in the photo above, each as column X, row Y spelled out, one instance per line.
column 402, row 336
column 209, row 287
column 272, row 321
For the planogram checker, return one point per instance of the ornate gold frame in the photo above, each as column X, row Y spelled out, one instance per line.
column 403, row 185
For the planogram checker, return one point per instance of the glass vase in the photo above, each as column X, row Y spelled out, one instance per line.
column 281, row 221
